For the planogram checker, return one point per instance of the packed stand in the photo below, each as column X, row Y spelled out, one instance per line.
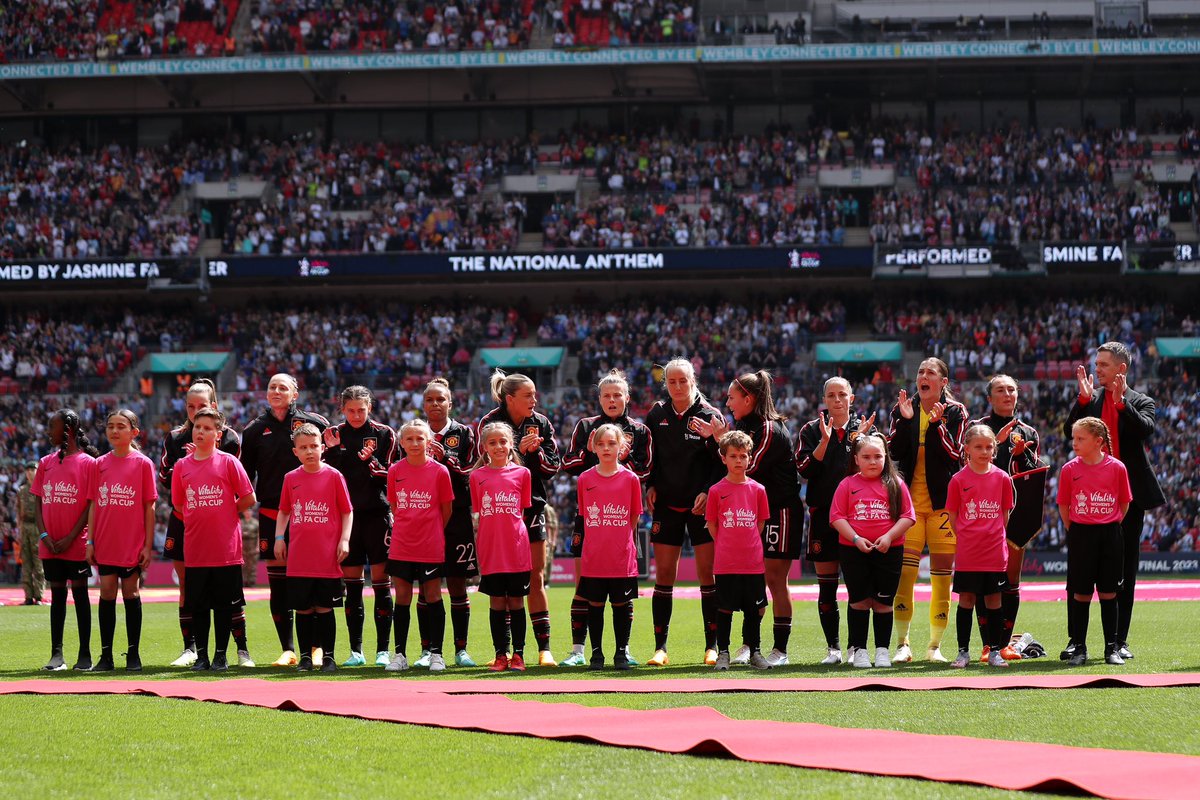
column 594, row 23
column 390, row 26
column 43, row 31
column 396, row 345
column 1013, row 333
column 85, row 349
column 74, row 203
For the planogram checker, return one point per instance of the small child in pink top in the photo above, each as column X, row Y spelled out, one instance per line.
column 421, row 497
column 61, row 488
column 1093, row 496
column 501, row 490
column 871, row 511
column 316, row 512
column 979, row 499
column 211, row 489
column 736, row 511
column 610, row 502
column 121, row 533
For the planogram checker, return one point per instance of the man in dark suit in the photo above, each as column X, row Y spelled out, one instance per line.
column 1130, row 418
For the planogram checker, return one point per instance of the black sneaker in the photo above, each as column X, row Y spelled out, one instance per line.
column 56, row 663
column 597, row 661
column 83, row 663
column 133, row 661
column 105, row 664
column 219, row 663
column 621, row 660
column 202, row 663
column 328, row 664
column 305, row 664
column 1079, row 657
column 1068, row 652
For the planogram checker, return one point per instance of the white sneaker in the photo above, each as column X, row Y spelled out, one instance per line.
column 399, row 663
column 903, row 654
column 881, row 657
column 777, row 658
column 244, row 659
column 437, row 663
column 850, row 651
column 995, row 659
column 742, row 656
column 1023, row 641
column 186, row 659
column 935, row 654
column 861, row 658
column 834, row 657
column 424, row 660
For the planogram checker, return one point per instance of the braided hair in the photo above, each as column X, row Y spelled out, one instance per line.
column 72, row 430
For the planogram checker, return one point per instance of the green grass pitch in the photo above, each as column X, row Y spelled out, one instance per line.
column 119, row 746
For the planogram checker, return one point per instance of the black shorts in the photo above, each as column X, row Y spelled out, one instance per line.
column 783, row 533
column 461, row 561
column 980, row 583
column 1095, row 558
column 614, row 590
column 671, row 527
column 822, row 538
column 121, row 572
column 266, row 536
column 413, row 571
column 505, row 584
column 306, row 593
column 173, row 544
column 535, row 523
column 747, row 593
column 873, row 575
column 213, row 587
column 370, row 537
column 60, row 570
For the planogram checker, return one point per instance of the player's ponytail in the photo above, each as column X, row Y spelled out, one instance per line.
column 504, row 386
column 758, row 386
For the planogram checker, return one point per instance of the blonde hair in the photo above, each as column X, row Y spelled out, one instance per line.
column 606, row 428
column 614, row 377
column 490, row 430
column 979, row 432
column 417, row 423
column 1098, row 428
column 686, row 367
column 307, row 429
column 504, row 386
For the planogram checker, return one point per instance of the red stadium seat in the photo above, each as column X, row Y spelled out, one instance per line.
column 1039, row 371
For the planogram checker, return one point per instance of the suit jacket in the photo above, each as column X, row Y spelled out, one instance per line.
column 1135, row 426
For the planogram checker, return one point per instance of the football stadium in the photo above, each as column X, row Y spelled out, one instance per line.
column 668, row 398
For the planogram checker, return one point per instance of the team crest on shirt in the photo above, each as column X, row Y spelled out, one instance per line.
column 370, row 444
column 628, row 439
column 485, row 506
column 103, row 495
column 1081, row 503
column 451, row 442
column 296, row 423
column 593, row 514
